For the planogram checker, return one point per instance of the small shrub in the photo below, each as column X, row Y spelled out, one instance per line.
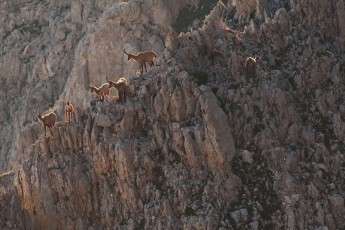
column 175, row 157
column 278, row 63
column 189, row 211
column 34, row 28
column 200, row 77
column 258, row 128
column 123, row 222
column 252, row 14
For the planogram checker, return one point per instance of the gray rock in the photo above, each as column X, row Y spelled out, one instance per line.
column 247, row 156
column 103, row 120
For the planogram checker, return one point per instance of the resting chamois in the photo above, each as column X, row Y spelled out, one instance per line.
column 69, row 110
column 101, row 91
column 143, row 58
column 47, row 120
column 122, row 88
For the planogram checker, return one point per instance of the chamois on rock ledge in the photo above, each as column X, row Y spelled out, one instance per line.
column 122, row 88
column 143, row 58
column 102, row 91
column 47, row 120
column 250, row 67
column 69, row 110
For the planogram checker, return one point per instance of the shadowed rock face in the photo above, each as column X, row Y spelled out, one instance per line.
column 198, row 145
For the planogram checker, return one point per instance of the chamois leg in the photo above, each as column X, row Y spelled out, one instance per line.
column 45, row 132
column 120, row 96
column 124, row 96
column 67, row 117
column 145, row 67
column 51, row 130
column 102, row 98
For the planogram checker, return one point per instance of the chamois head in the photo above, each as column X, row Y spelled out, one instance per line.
column 257, row 57
column 68, row 102
column 47, row 120
column 250, row 66
column 39, row 116
column 93, row 89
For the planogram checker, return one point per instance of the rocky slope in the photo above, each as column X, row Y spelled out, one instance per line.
column 48, row 47
column 198, row 145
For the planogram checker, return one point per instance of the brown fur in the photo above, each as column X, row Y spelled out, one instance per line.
column 122, row 87
column 102, row 91
column 250, row 67
column 143, row 58
column 47, row 120
column 69, row 110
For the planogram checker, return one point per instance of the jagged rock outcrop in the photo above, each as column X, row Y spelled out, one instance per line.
column 198, row 145
column 133, row 26
column 52, row 51
column 117, row 169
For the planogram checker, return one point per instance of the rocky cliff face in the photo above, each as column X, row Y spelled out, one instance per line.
column 135, row 165
column 48, row 49
column 198, row 144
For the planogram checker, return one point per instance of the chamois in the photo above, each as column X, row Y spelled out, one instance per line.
column 69, row 110
column 47, row 120
column 101, row 91
column 142, row 58
column 250, row 67
column 122, row 88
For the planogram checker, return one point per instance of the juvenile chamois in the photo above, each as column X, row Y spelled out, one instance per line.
column 69, row 110
column 47, row 120
column 143, row 58
column 250, row 67
column 122, row 88
column 101, row 91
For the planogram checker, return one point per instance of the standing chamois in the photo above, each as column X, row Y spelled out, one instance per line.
column 101, row 91
column 143, row 58
column 69, row 110
column 122, row 88
column 47, row 120
column 250, row 67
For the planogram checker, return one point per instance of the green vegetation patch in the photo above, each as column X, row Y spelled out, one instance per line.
column 189, row 211
column 160, row 181
column 34, row 28
column 193, row 16
column 201, row 78
column 257, row 186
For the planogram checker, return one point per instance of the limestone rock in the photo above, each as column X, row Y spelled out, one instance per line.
column 196, row 145
column 219, row 144
column 102, row 120
column 247, row 156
